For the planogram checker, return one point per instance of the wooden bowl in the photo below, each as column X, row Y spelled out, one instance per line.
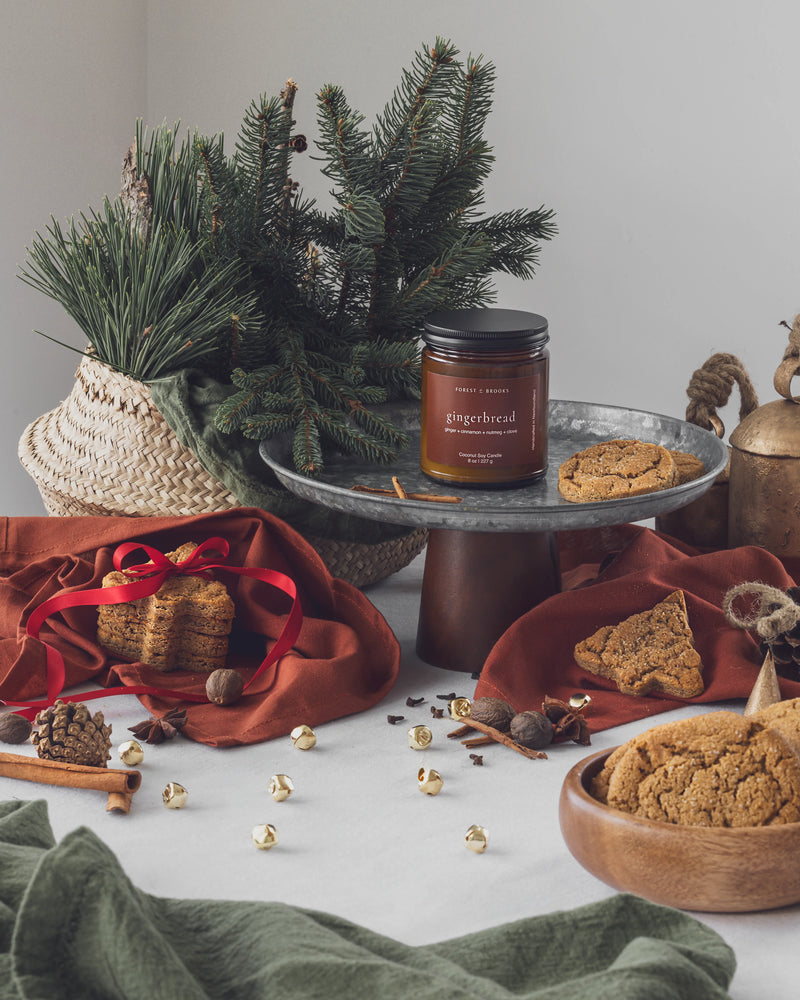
column 713, row 869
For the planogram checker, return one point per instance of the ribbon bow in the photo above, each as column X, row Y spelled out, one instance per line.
column 148, row 577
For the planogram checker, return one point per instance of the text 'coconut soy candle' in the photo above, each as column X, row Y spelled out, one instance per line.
column 484, row 396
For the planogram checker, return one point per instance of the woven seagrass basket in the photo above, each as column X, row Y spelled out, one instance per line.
column 107, row 450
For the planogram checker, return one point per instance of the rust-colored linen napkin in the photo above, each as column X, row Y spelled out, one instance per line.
column 534, row 657
column 345, row 659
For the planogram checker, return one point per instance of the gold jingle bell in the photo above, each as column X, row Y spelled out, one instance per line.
column 174, row 796
column 303, row 737
column 459, row 708
column 579, row 702
column 130, row 753
column 430, row 781
column 420, row 737
column 477, row 839
column 281, row 787
column 765, row 467
column 265, row 836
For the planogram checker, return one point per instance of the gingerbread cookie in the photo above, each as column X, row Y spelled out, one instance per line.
column 183, row 626
column 687, row 467
column 601, row 780
column 616, row 469
column 652, row 651
column 718, row 769
column 783, row 716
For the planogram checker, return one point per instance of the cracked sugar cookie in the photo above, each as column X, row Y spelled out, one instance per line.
column 652, row 651
column 718, row 769
column 615, row 469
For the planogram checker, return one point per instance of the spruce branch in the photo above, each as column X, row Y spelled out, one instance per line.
column 428, row 77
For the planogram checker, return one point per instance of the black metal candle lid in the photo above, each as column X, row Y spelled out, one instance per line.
column 485, row 329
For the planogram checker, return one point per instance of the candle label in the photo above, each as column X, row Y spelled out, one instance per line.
column 477, row 423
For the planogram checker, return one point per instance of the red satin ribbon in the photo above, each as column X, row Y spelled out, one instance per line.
column 149, row 577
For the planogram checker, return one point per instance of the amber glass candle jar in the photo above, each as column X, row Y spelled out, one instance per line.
column 484, row 396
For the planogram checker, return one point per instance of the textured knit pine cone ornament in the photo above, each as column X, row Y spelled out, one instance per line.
column 785, row 645
column 68, row 733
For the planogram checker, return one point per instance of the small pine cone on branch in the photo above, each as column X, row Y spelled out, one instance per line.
column 785, row 647
column 68, row 733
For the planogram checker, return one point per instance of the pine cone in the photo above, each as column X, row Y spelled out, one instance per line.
column 786, row 646
column 69, row 734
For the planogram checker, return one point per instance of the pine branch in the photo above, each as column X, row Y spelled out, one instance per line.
column 217, row 186
column 171, row 177
column 139, row 304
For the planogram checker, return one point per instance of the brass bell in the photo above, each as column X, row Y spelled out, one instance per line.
column 429, row 781
column 303, row 737
column 281, row 787
column 459, row 708
column 764, row 485
column 419, row 737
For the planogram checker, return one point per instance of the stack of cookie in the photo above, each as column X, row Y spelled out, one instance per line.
column 183, row 626
column 613, row 470
column 719, row 769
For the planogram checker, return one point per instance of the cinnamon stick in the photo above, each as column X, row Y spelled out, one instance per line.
column 399, row 488
column 497, row 736
column 458, row 733
column 120, row 785
column 432, row 497
column 479, row 741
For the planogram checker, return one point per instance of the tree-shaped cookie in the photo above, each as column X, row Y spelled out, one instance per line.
column 652, row 651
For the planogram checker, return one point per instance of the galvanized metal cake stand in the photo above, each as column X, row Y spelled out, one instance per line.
column 494, row 555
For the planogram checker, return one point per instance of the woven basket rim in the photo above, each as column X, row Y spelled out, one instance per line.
column 107, row 450
column 107, row 441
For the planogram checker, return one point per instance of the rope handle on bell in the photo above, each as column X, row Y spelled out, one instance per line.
column 790, row 365
column 710, row 388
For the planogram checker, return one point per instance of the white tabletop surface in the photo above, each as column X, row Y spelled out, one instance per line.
column 357, row 838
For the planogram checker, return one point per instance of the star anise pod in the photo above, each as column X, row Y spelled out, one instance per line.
column 567, row 723
column 155, row 730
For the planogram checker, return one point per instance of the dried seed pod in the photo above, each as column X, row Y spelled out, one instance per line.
column 14, row 728
column 68, row 733
column 224, row 686
column 493, row 712
column 531, row 729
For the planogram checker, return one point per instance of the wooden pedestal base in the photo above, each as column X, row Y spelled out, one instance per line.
column 476, row 584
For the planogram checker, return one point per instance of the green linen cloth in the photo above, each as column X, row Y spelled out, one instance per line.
column 72, row 925
column 188, row 401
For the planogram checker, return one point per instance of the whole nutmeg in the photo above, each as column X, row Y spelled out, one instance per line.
column 14, row 728
column 531, row 729
column 223, row 686
column 493, row 712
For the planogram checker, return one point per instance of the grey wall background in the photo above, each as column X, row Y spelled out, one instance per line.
column 665, row 136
